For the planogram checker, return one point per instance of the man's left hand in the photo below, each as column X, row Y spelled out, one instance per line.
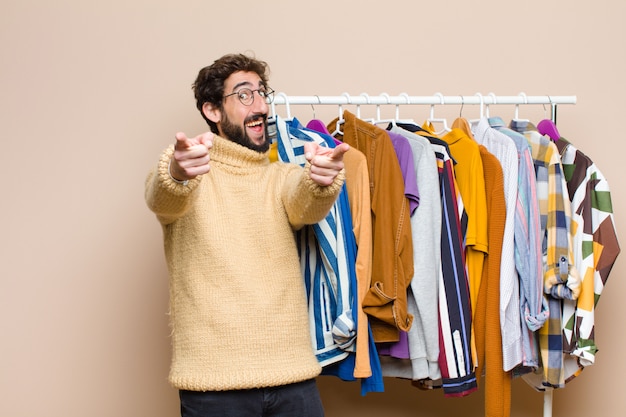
column 325, row 162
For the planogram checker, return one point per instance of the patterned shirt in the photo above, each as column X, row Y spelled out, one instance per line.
column 326, row 261
column 504, row 149
column 455, row 316
column 595, row 251
column 528, row 259
column 561, row 279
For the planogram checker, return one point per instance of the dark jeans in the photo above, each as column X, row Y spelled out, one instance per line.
column 294, row 400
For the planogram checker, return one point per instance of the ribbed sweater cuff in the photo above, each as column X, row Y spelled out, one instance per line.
column 166, row 180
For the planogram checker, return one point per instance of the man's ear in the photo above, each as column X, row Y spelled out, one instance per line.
column 211, row 112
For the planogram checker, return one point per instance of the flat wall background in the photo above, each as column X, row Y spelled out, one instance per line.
column 91, row 92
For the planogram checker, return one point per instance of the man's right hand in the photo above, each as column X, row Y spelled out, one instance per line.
column 191, row 156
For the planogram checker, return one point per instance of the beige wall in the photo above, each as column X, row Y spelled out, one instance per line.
column 90, row 93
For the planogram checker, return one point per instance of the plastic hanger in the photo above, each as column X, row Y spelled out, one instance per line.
column 319, row 126
column 358, row 109
column 378, row 120
column 287, row 107
column 432, row 119
column 340, row 119
column 493, row 101
column 547, row 127
column 474, row 122
column 316, row 124
column 516, row 116
column 518, row 124
column 396, row 119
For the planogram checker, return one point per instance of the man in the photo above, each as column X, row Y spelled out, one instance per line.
column 240, row 337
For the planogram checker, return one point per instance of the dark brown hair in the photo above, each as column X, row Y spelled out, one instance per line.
column 209, row 85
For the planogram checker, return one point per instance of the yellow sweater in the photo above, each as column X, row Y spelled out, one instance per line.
column 238, row 308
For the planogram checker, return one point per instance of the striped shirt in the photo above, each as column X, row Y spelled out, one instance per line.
column 326, row 261
column 506, row 153
column 528, row 255
column 455, row 313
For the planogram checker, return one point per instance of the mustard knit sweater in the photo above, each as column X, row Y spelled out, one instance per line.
column 238, row 307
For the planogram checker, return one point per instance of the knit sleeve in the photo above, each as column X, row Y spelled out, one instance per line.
column 167, row 198
column 306, row 201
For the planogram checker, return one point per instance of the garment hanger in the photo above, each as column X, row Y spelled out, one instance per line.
column 287, row 107
column 518, row 124
column 396, row 119
column 547, row 127
column 340, row 119
column 462, row 123
column 516, row 117
column 474, row 122
column 358, row 109
column 315, row 123
column 494, row 100
column 495, row 119
column 319, row 126
column 378, row 120
column 432, row 119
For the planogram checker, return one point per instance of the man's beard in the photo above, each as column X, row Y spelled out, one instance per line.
column 238, row 135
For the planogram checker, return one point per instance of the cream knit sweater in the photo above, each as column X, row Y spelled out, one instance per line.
column 238, row 307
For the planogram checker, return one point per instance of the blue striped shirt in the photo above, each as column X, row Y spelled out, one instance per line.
column 327, row 264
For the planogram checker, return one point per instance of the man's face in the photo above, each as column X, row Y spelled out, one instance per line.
column 240, row 123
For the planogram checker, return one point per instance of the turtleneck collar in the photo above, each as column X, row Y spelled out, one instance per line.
column 236, row 155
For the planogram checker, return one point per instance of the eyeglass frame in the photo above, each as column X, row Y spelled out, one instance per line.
column 266, row 91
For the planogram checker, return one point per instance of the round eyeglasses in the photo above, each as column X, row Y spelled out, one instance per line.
column 246, row 95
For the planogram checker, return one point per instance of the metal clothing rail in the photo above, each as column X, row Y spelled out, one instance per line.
column 405, row 99
column 435, row 99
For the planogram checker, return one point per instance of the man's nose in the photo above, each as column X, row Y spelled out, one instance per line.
column 259, row 103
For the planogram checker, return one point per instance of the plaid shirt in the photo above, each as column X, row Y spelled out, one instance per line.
column 561, row 279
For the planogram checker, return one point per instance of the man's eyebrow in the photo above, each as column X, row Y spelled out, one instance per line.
column 247, row 84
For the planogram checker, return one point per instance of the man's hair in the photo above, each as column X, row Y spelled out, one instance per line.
column 209, row 85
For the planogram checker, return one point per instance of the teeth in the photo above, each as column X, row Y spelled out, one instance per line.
column 254, row 123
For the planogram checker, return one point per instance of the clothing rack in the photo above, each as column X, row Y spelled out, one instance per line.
column 435, row 99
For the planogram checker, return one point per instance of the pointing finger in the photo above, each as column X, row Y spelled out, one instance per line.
column 339, row 151
column 182, row 141
column 206, row 139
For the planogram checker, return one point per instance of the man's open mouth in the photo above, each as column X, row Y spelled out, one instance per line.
column 256, row 122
